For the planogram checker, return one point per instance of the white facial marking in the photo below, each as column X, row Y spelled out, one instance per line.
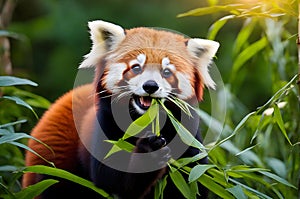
column 140, row 60
column 165, row 63
column 114, row 75
column 184, row 85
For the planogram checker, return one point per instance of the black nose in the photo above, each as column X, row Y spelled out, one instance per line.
column 150, row 86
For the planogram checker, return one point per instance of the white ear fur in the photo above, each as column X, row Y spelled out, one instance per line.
column 204, row 50
column 105, row 37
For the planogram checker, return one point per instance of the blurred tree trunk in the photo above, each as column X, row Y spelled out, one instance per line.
column 6, row 11
column 298, row 43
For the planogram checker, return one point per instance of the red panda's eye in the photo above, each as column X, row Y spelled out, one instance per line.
column 167, row 73
column 137, row 69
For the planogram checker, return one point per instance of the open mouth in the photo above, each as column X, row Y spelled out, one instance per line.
column 143, row 102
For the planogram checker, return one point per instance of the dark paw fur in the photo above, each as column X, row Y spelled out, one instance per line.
column 157, row 144
column 150, row 143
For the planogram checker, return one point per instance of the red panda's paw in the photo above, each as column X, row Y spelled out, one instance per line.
column 157, row 144
column 158, row 153
column 150, row 143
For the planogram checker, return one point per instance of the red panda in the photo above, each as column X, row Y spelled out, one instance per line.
column 131, row 68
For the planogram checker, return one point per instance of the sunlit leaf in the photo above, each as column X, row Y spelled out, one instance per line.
column 119, row 146
column 246, row 54
column 244, row 34
column 142, row 122
column 215, row 28
column 212, row 9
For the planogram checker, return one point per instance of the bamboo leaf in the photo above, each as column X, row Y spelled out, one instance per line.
column 212, row 9
column 118, row 146
column 142, row 122
column 279, row 121
column 198, row 171
column 215, row 28
column 159, row 188
column 244, row 34
column 20, row 102
column 246, row 54
column 183, row 133
column 14, row 81
column 277, row 178
column 65, row 175
column 237, row 191
column 181, row 184
column 209, row 183
column 35, row 190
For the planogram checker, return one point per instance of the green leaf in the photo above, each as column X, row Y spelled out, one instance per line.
column 20, row 102
column 14, row 81
column 245, row 150
column 209, row 183
column 181, row 184
column 35, row 190
column 247, row 54
column 244, row 34
column 184, row 161
column 277, row 178
column 280, row 122
column 212, row 9
column 262, row 195
column 237, row 191
column 12, row 123
column 159, row 188
column 215, row 28
column 32, row 99
column 185, row 135
column 65, row 175
column 142, row 122
column 198, row 171
column 118, row 146
column 236, row 130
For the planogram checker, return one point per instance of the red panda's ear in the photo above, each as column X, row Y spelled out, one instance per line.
column 204, row 51
column 105, row 37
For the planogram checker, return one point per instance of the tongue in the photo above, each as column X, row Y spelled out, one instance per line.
column 145, row 101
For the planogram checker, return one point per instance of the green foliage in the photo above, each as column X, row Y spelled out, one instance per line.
column 12, row 119
column 267, row 139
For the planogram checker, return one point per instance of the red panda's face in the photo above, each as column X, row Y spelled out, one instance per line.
column 142, row 78
column 144, row 63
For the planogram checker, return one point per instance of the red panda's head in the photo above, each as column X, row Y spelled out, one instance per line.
column 147, row 63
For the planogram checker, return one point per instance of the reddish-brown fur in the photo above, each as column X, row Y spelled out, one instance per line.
column 57, row 129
